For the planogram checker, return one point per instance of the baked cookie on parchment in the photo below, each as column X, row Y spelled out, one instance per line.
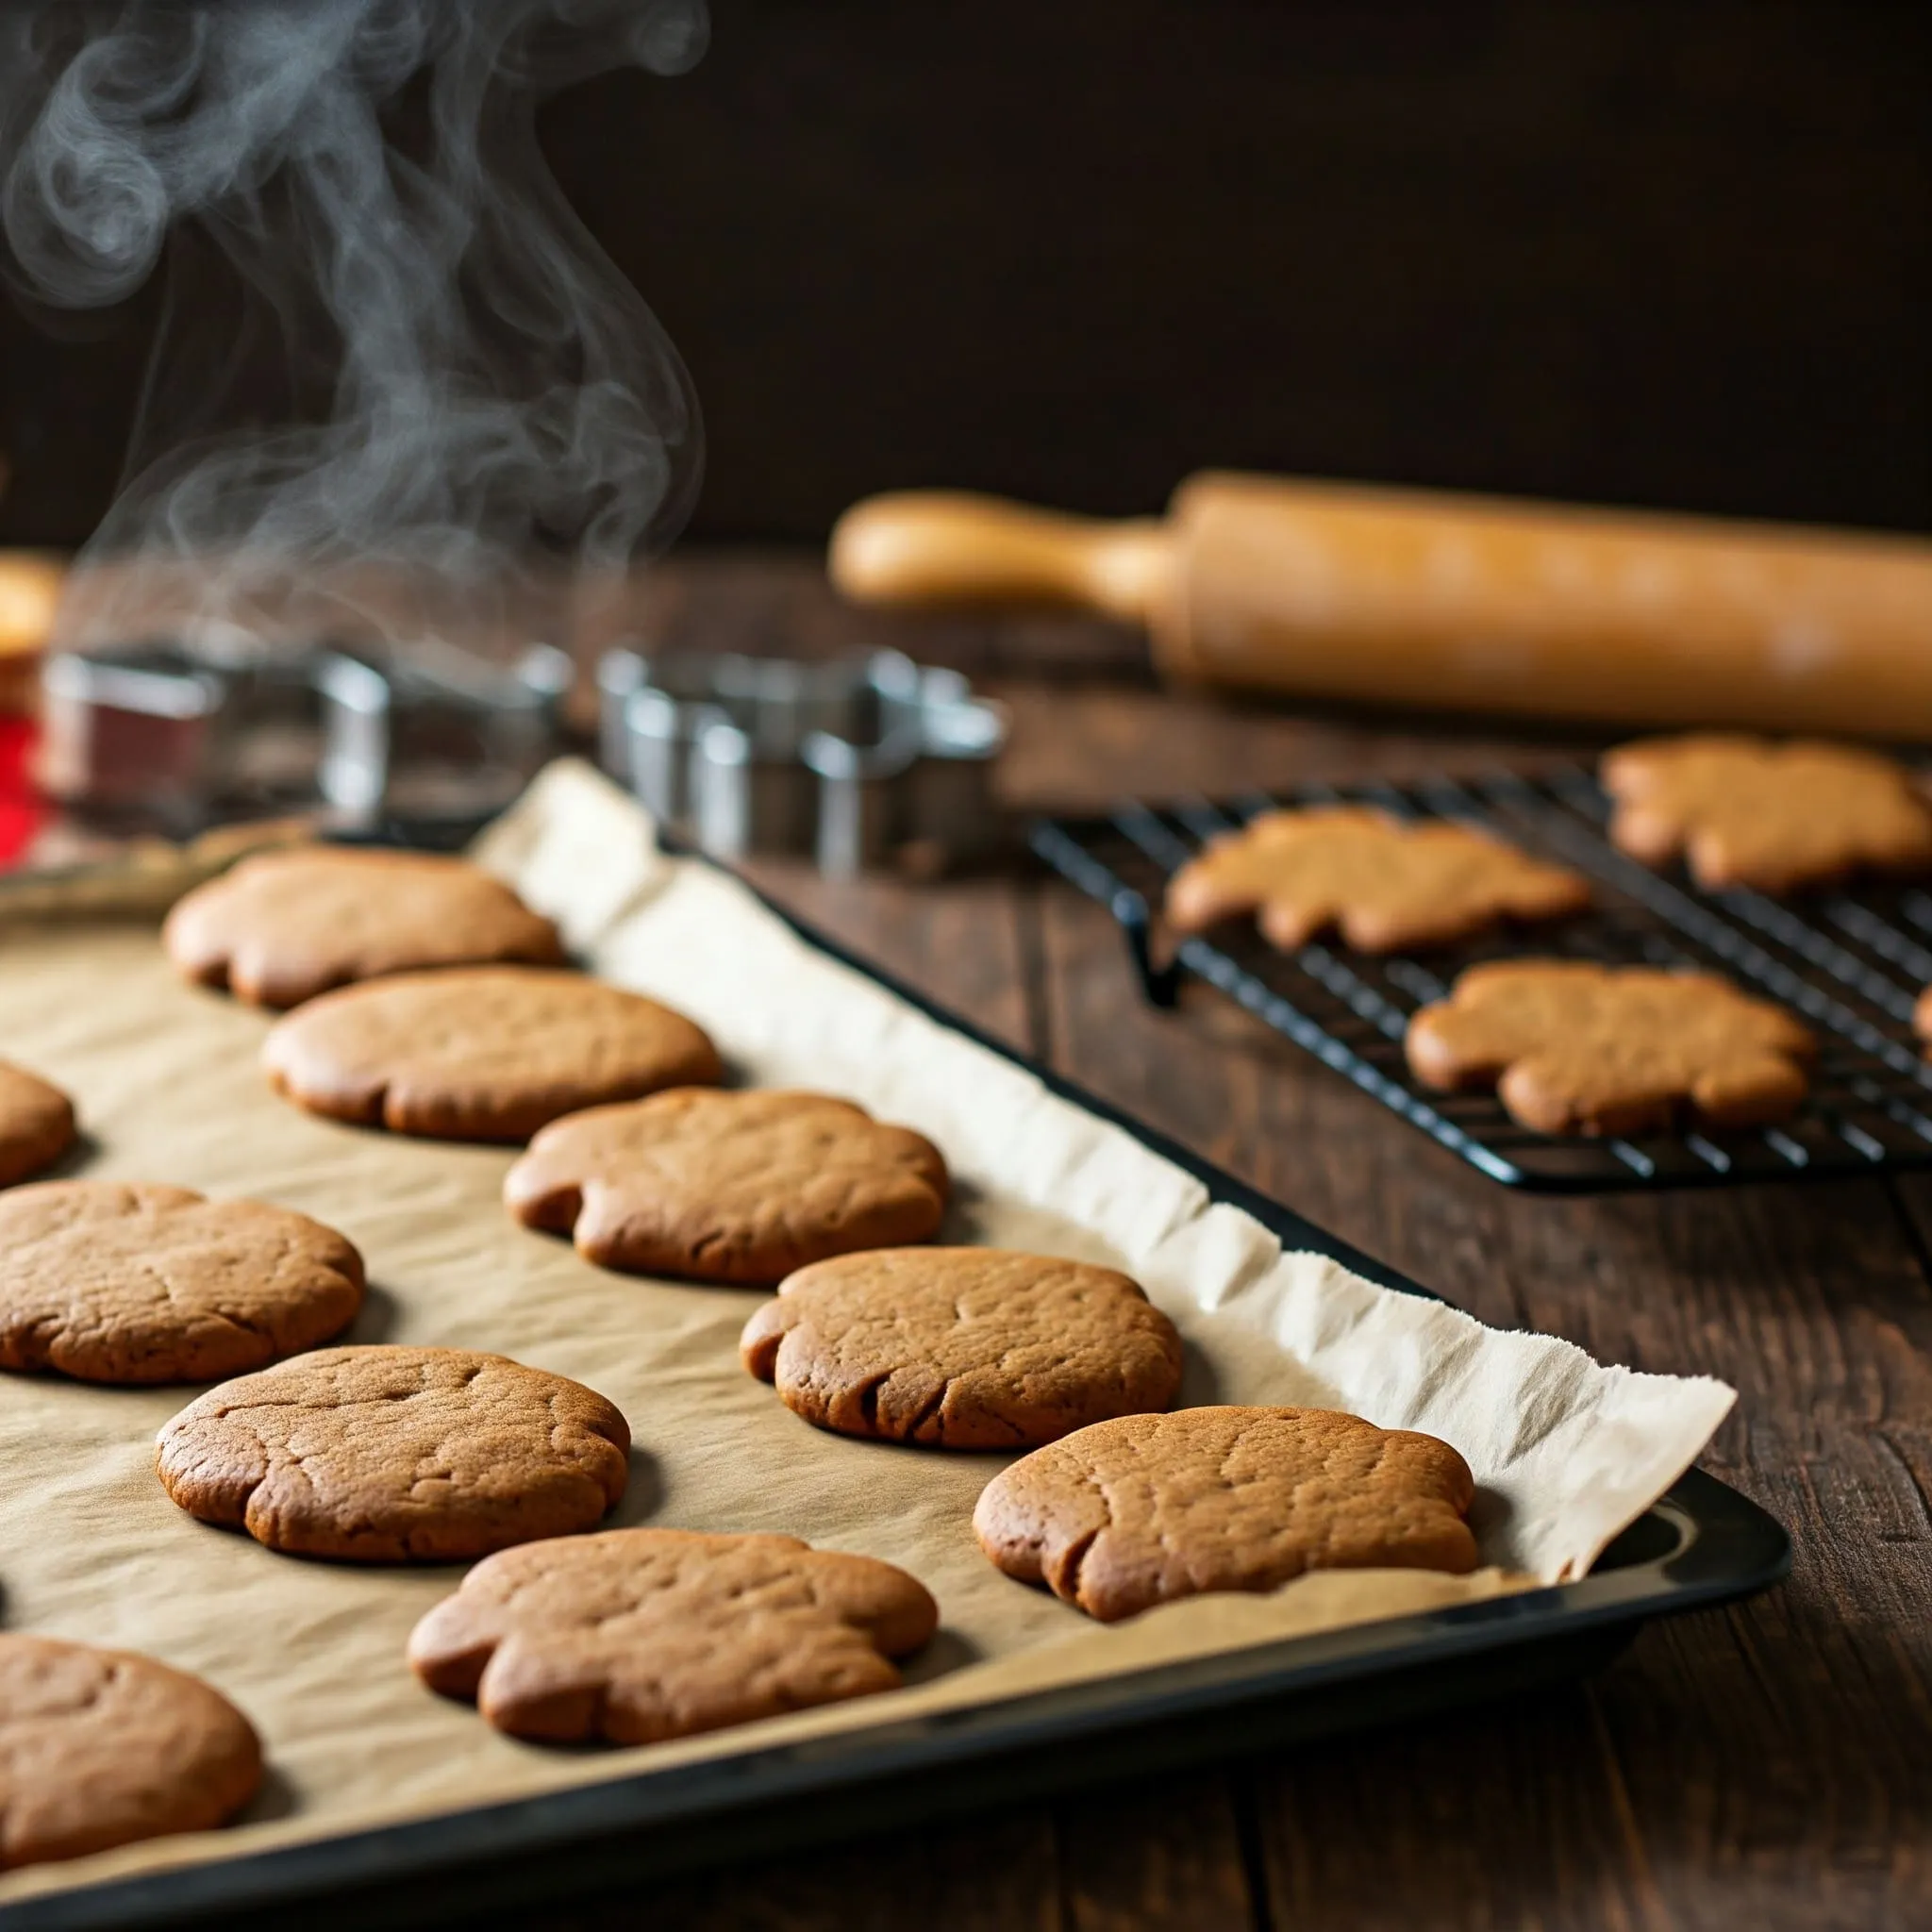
column 282, row 926
column 1571, row 1047
column 129, row 1282
column 480, row 1052
column 37, row 1124
column 638, row 1635
column 1386, row 883
column 1747, row 812
column 739, row 1188
column 101, row 1748
column 962, row 1348
column 1142, row 1510
column 397, row 1454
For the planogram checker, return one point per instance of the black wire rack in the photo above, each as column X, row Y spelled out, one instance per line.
column 1849, row 962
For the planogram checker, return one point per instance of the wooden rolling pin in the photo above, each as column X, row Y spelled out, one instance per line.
column 1410, row 598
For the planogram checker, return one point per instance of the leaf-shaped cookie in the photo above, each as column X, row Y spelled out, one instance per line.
column 1571, row 1047
column 1743, row 812
column 1388, row 885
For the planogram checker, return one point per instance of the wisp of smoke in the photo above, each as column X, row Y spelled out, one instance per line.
column 473, row 382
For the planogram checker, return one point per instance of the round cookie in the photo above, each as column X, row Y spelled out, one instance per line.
column 638, row 1635
column 962, row 1348
column 1139, row 1511
column 36, row 1123
column 728, row 1187
column 117, row 1281
column 282, row 926
column 483, row 1052
column 101, row 1748
column 397, row 1454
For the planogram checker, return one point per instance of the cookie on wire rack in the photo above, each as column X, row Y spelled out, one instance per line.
column 1749, row 811
column 1385, row 884
column 1572, row 1047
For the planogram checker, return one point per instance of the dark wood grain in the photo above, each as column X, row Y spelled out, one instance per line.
column 1757, row 1768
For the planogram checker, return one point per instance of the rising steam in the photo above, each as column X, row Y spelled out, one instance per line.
column 470, row 383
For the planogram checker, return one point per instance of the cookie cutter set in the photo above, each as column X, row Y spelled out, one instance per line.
column 185, row 736
column 858, row 763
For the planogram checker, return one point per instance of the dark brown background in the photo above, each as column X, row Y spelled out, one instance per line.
column 1637, row 250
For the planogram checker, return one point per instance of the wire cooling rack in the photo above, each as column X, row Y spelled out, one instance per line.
column 1851, row 962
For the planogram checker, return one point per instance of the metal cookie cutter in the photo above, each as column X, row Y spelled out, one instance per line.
column 860, row 764
column 182, row 737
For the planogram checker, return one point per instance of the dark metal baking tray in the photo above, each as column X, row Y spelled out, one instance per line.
column 1702, row 1543
column 1849, row 962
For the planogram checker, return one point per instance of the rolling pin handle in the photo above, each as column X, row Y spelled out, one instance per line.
column 923, row 547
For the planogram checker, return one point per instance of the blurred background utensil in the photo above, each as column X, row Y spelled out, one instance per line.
column 860, row 762
column 1472, row 603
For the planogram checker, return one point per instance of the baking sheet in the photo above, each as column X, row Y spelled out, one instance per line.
column 1565, row 1452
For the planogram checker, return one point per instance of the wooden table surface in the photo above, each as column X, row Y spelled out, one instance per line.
column 1764, row 1766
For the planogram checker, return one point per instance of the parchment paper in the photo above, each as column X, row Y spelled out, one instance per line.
column 1566, row 1453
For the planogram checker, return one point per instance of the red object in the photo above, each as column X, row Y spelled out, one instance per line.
column 20, row 810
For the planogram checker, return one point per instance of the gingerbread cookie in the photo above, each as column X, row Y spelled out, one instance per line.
column 1571, row 1047
column 1743, row 812
column 101, row 1748
column 397, row 1454
column 282, row 926
column 728, row 1187
column 36, row 1123
column 482, row 1053
column 115, row 1281
column 1141, row 1511
column 639, row 1635
column 1385, row 884
column 962, row 1348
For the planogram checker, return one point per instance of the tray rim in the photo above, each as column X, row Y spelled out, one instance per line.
column 1727, row 1547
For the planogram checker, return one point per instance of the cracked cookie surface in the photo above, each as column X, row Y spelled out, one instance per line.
column 1571, row 1047
column 102, row 1747
column 114, row 1281
column 1139, row 1511
column 487, row 1053
column 962, row 1348
column 36, row 1123
column 638, row 1635
column 1748, row 811
column 1384, row 883
column 395, row 1454
column 739, row 1188
column 282, row 926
